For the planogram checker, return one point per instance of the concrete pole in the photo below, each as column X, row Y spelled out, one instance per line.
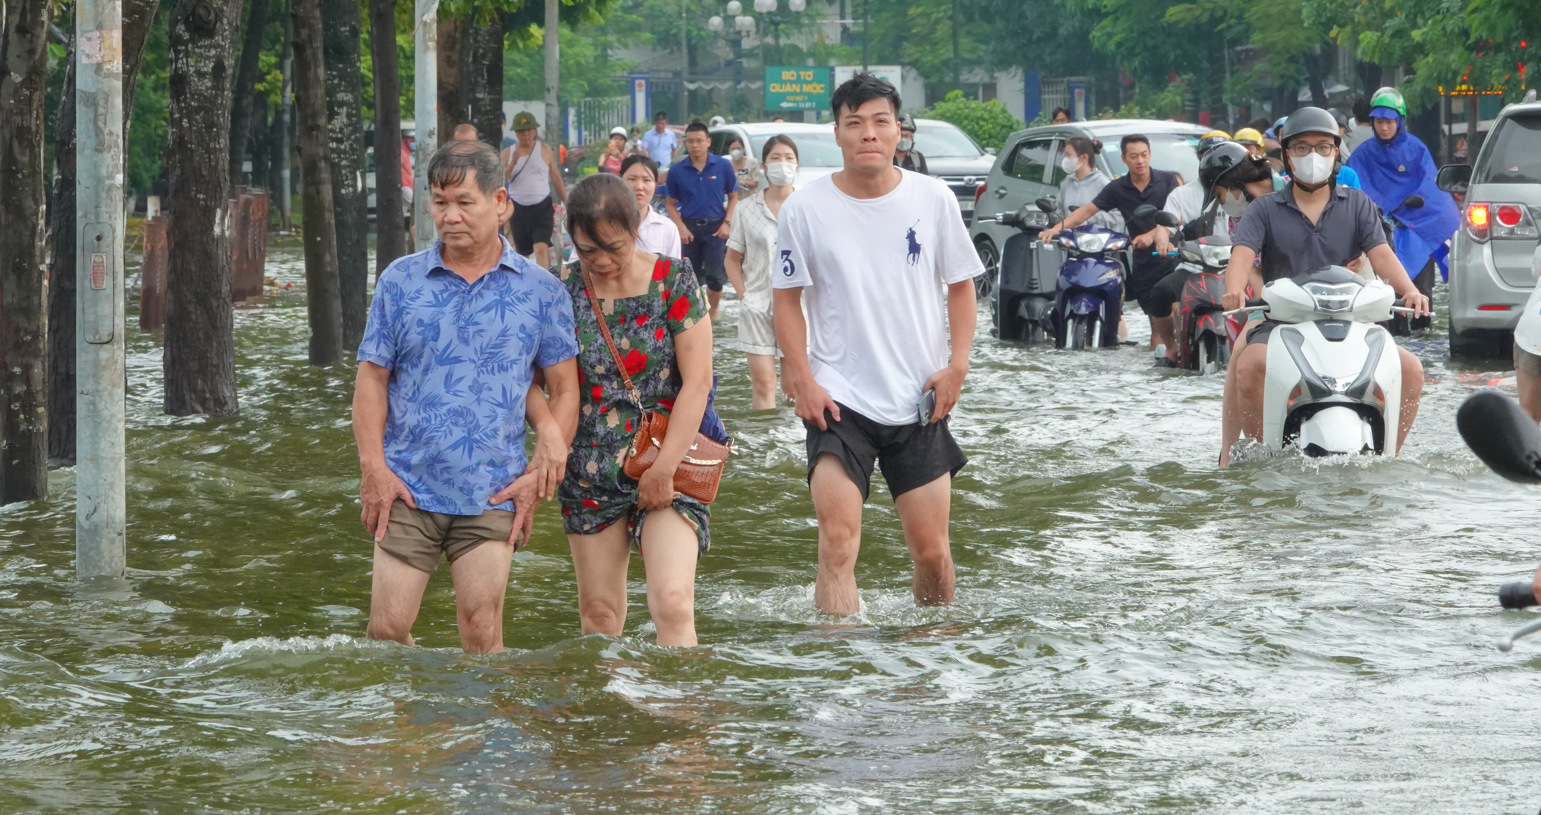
column 99, row 472
column 425, row 87
column 553, row 42
column 684, row 61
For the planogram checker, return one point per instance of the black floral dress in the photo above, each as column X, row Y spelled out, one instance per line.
column 595, row 494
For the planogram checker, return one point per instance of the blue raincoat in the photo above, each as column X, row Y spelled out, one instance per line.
column 1392, row 170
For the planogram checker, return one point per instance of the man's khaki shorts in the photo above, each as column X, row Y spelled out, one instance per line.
column 420, row 538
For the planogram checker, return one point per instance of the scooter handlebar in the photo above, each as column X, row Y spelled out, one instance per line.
column 1519, row 594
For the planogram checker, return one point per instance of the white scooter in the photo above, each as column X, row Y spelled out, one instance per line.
column 1334, row 381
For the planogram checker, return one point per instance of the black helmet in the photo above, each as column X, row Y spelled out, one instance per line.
column 1309, row 120
column 906, row 123
column 1209, row 143
column 1340, row 117
column 1218, row 162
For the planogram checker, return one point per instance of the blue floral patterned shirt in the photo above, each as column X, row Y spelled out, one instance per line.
column 461, row 357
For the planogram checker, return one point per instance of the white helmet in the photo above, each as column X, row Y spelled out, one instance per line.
column 618, row 131
column 718, row 121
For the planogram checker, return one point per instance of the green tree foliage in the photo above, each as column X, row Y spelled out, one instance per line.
column 988, row 123
column 149, row 126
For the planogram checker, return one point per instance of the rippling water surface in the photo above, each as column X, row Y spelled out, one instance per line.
column 1134, row 631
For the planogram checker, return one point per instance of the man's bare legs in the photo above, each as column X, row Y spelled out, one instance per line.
column 480, row 577
column 1530, row 393
column 762, row 381
column 924, row 511
column 837, row 504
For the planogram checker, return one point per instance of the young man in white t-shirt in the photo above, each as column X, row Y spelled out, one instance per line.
column 887, row 269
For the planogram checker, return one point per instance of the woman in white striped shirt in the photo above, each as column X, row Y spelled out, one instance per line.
column 751, row 253
column 656, row 234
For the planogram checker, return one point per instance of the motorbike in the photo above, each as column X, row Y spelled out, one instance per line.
column 1089, row 292
column 1334, row 381
column 1024, row 289
column 1398, row 233
column 1203, row 344
column 1507, row 440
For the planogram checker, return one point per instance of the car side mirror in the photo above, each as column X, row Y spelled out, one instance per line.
column 1047, row 205
column 1413, row 202
column 991, row 151
column 1167, row 219
column 1454, row 178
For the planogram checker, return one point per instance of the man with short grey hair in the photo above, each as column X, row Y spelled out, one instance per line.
column 449, row 354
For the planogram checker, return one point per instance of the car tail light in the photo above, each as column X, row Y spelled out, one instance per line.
column 979, row 192
column 1485, row 221
column 1494, row 307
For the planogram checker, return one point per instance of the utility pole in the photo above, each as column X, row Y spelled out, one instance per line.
column 425, row 82
column 866, row 27
column 553, row 42
column 100, row 510
column 286, row 195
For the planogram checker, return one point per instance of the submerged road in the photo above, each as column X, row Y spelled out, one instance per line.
column 1135, row 631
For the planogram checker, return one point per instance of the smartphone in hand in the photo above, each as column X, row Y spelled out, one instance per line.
column 926, row 406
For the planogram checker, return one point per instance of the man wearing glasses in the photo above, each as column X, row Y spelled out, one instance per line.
column 1311, row 223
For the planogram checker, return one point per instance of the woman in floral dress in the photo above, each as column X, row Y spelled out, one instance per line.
column 655, row 311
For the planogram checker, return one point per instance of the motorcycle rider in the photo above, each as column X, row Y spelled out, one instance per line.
column 1311, row 223
column 907, row 157
column 1527, row 347
column 1252, row 139
column 1394, row 165
column 1142, row 185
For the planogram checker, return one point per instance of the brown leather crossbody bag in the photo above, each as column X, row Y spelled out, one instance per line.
column 700, row 471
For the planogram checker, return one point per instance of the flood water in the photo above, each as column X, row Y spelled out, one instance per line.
column 1135, row 630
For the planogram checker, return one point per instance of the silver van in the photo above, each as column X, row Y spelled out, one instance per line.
column 1500, row 199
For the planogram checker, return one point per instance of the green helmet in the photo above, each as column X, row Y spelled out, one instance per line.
column 1389, row 98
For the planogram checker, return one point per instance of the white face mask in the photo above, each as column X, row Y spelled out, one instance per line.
column 1313, row 169
column 736, row 153
column 1233, row 207
column 781, row 173
column 1069, row 165
column 906, row 144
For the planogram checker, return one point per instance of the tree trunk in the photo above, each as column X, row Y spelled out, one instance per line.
column 199, row 356
column 1313, row 65
column 323, row 302
column 61, row 278
column 258, row 146
column 23, row 319
column 450, row 111
column 340, row 29
column 245, row 101
column 391, row 238
column 138, row 18
column 484, row 79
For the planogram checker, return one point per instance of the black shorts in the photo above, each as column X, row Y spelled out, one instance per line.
column 1141, row 286
column 532, row 224
column 1164, row 295
column 910, row 455
column 1260, row 333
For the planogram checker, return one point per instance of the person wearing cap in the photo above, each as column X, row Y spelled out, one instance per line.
column 615, row 152
column 1311, row 223
column 907, row 157
column 661, row 143
column 1394, row 165
column 530, row 174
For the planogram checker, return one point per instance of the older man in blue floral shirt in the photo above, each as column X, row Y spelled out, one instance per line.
column 454, row 337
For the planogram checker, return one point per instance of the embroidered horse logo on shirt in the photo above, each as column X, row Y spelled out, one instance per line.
column 914, row 256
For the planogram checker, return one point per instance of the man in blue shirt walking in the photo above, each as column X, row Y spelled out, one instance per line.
column 449, row 354
column 701, row 203
column 660, row 143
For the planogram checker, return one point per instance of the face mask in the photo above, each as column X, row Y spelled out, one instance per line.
column 736, row 154
column 1069, row 165
column 905, row 144
column 1234, row 207
column 1312, row 170
column 781, row 173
